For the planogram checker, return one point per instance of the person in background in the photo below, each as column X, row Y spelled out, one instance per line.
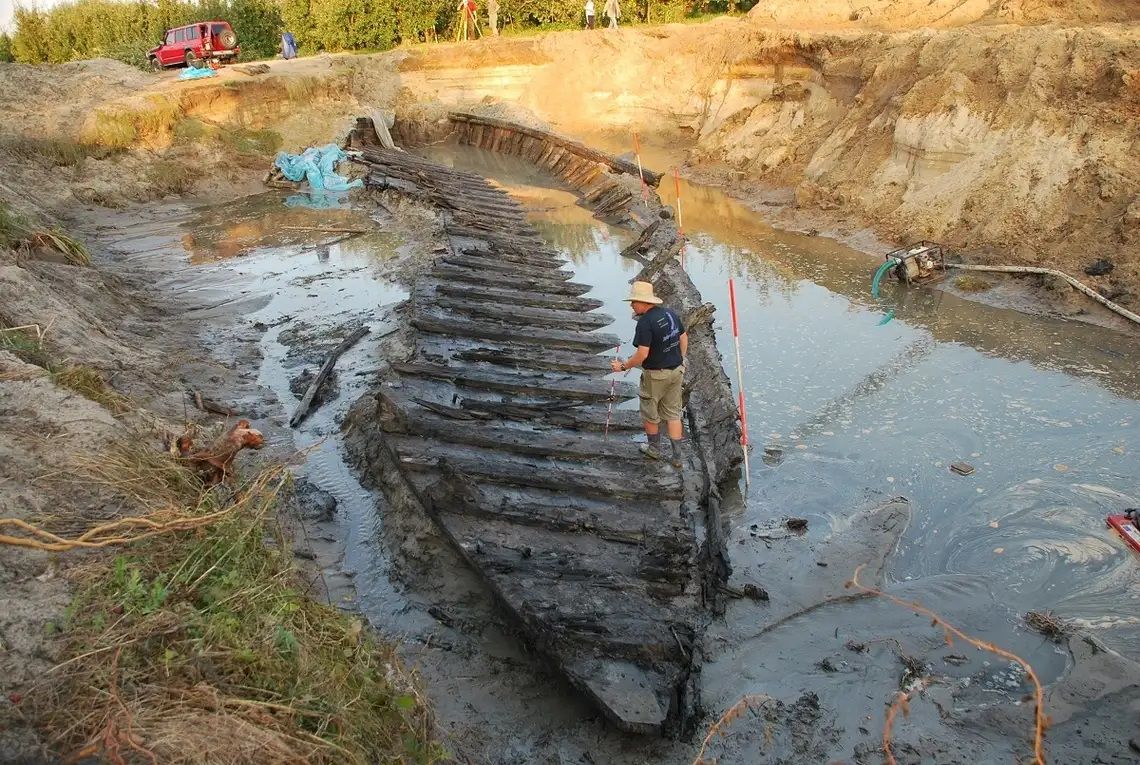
column 493, row 16
column 288, row 46
column 589, row 14
column 613, row 11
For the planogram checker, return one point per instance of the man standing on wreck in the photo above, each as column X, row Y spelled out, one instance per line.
column 662, row 345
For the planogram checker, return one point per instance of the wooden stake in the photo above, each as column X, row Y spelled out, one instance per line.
column 680, row 218
column 640, row 171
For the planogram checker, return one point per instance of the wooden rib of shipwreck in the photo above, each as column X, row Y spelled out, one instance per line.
column 497, row 428
column 604, row 182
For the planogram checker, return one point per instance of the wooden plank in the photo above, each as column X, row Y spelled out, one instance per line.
column 519, row 295
column 522, row 315
column 513, row 255
column 551, row 338
column 589, row 479
column 520, row 359
column 498, row 280
column 569, row 415
column 540, row 442
column 464, row 260
column 543, row 385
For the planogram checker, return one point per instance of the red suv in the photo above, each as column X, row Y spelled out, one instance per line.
column 201, row 41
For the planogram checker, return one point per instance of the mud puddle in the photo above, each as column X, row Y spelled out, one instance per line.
column 846, row 412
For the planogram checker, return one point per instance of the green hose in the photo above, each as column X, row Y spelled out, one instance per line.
column 887, row 266
column 879, row 277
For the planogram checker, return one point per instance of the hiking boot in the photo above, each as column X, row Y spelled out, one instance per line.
column 677, row 459
column 650, row 451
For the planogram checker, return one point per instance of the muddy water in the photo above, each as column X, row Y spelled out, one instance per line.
column 845, row 411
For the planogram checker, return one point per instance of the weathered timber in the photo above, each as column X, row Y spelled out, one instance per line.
column 585, row 419
column 485, row 232
column 549, row 338
column 514, row 314
column 515, row 256
column 506, row 267
column 639, row 687
column 634, row 250
column 571, row 416
column 543, row 442
column 661, row 260
column 302, row 410
column 567, row 387
column 520, row 359
column 698, row 317
column 566, row 144
column 521, row 295
column 476, row 276
column 594, row 479
column 606, row 522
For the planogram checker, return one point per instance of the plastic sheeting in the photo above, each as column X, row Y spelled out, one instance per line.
column 193, row 73
column 317, row 165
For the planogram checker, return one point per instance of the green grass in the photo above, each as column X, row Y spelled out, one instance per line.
column 204, row 646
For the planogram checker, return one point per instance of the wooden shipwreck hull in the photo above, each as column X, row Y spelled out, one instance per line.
column 498, row 427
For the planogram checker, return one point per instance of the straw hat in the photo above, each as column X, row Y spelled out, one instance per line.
column 642, row 292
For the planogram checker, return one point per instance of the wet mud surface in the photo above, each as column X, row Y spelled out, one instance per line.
column 847, row 415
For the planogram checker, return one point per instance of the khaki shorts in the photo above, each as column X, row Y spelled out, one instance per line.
column 660, row 394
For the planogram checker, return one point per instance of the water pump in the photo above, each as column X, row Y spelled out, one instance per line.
column 918, row 262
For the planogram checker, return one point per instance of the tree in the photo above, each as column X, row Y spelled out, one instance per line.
column 6, row 49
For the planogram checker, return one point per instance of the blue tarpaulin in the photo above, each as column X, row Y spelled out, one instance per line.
column 193, row 73
column 317, row 165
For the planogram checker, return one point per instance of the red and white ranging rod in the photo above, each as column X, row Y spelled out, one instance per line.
column 739, row 383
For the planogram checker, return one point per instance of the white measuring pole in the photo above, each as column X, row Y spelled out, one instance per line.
column 613, row 387
column 739, row 383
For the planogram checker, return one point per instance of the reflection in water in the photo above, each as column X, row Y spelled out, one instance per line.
column 1045, row 409
column 261, row 222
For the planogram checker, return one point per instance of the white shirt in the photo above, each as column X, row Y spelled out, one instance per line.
column 589, row 7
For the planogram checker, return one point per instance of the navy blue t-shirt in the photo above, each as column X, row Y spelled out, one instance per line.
column 660, row 328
